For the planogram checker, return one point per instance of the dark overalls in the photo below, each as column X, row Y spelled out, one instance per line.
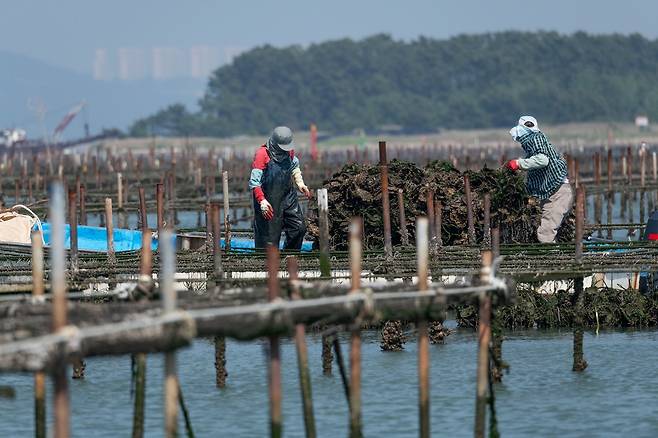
column 281, row 194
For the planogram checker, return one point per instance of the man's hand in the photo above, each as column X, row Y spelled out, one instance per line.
column 513, row 165
column 306, row 191
column 266, row 210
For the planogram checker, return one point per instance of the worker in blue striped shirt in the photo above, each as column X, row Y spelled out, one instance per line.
column 547, row 176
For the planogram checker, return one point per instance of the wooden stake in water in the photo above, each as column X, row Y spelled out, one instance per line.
column 302, row 354
column 422, row 253
column 39, row 377
column 58, row 286
column 274, row 374
column 484, row 340
column 323, row 211
column 469, row 210
column 109, row 228
column 386, row 204
column 356, row 233
column 73, row 227
column 404, row 234
column 168, row 297
column 227, row 212
column 579, row 362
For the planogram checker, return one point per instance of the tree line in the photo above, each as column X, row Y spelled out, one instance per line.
column 424, row 85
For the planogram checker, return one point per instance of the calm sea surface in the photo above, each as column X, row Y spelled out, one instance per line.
column 617, row 395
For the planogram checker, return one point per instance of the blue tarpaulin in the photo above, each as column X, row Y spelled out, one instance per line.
column 95, row 239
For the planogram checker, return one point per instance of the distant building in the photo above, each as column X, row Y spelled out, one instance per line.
column 642, row 121
column 102, row 66
column 132, row 64
column 203, row 60
column 168, row 62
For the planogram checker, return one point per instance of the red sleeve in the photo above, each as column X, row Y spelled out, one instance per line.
column 260, row 163
column 260, row 159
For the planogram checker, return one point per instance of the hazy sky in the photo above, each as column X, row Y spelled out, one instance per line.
column 66, row 32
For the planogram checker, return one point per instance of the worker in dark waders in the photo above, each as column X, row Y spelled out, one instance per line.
column 547, row 176
column 275, row 179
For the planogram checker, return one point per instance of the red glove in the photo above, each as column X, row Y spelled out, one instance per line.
column 513, row 165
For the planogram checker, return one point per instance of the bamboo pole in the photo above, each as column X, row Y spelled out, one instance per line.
column 422, row 254
column 58, row 286
column 438, row 223
column 302, row 354
column 486, row 226
column 274, row 368
column 386, row 206
column 484, row 340
column 39, row 376
column 168, row 297
column 356, row 237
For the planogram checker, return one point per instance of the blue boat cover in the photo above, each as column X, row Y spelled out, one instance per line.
column 95, row 239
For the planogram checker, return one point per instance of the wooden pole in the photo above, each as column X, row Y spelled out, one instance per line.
column 119, row 191
column 438, row 223
column 302, row 354
column 168, row 297
column 143, row 219
column 386, row 206
column 579, row 362
column 429, row 202
column 404, row 234
column 83, row 205
column 356, row 250
column 486, row 226
column 58, row 286
column 39, row 377
column 217, row 249
column 227, row 212
column 159, row 198
column 73, row 227
column 109, row 228
column 274, row 375
column 323, row 211
column 484, row 339
column 422, row 252
column 469, row 210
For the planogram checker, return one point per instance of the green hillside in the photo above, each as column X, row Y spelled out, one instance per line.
column 466, row 82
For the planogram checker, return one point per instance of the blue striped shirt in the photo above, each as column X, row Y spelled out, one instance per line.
column 545, row 181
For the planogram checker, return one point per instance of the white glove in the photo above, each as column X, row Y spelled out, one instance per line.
column 266, row 210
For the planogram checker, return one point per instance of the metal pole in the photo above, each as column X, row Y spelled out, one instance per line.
column 386, row 206
column 422, row 251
